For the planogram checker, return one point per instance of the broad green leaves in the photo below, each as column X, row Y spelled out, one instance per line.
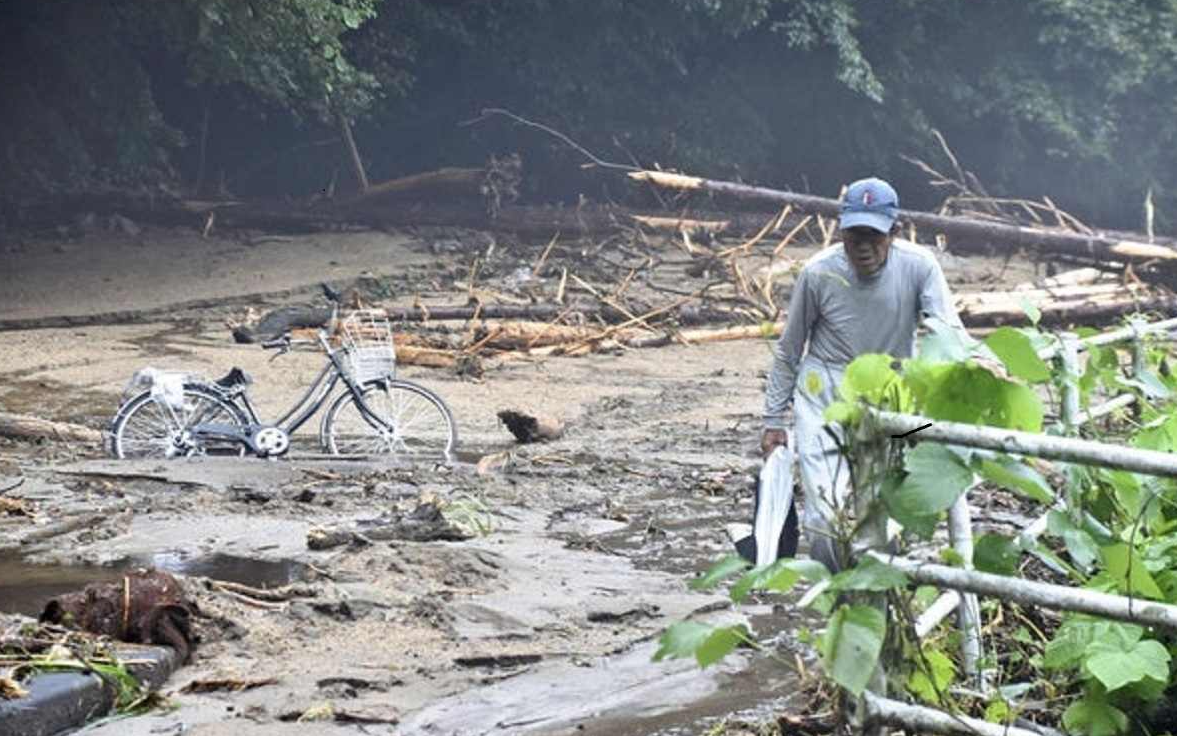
column 725, row 568
column 1094, row 717
column 1128, row 571
column 936, row 476
column 1115, row 666
column 707, row 644
column 997, row 554
column 779, row 577
column 869, row 575
column 1017, row 352
column 851, row 645
column 933, row 676
column 1014, row 475
column 969, row 393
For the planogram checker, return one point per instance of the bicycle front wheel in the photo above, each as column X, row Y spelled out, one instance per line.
column 408, row 421
column 147, row 428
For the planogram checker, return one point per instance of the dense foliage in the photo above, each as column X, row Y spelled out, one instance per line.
column 1060, row 97
column 1111, row 531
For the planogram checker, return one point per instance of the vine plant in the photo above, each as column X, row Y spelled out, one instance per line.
column 1111, row 531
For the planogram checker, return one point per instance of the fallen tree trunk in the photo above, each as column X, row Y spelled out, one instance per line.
column 521, row 220
column 963, row 234
column 1069, row 312
column 429, row 183
column 29, row 427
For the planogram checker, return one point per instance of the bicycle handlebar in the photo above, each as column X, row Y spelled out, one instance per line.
column 332, row 295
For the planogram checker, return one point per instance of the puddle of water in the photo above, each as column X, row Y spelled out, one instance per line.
column 26, row 587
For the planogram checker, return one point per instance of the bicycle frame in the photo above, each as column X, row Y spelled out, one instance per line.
column 306, row 407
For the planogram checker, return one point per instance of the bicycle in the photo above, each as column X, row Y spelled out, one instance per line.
column 376, row 414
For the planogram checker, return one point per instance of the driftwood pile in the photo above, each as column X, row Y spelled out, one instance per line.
column 746, row 290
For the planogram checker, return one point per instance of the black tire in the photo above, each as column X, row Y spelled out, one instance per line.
column 428, row 432
column 142, row 428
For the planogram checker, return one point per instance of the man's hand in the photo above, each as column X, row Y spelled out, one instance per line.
column 771, row 439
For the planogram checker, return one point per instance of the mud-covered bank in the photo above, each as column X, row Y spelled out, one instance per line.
column 543, row 621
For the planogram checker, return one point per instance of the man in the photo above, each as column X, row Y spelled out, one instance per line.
column 866, row 294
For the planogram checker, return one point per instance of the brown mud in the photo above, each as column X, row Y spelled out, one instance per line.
column 546, row 624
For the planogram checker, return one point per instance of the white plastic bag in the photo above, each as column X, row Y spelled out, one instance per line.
column 167, row 387
column 773, row 503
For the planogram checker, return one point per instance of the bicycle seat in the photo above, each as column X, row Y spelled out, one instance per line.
column 235, row 378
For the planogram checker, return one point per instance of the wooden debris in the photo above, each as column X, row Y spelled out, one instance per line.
column 320, row 539
column 15, row 507
column 679, row 224
column 495, row 462
column 24, row 426
column 284, row 593
column 227, row 684
column 966, row 235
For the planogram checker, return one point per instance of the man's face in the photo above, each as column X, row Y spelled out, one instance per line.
column 866, row 248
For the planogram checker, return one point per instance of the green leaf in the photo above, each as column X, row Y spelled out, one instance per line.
column 707, row 644
column 925, row 685
column 1014, row 475
column 1018, row 407
column 943, row 343
column 998, row 711
column 997, row 554
column 726, row 567
column 971, row 394
column 868, row 377
column 1080, row 545
column 720, row 643
column 779, row 577
column 935, row 479
column 842, row 412
column 869, row 574
column 1116, row 666
column 1017, row 352
column 1129, row 572
column 851, row 645
column 681, row 640
column 1094, row 717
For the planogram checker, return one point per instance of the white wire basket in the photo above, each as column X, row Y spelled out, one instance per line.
column 366, row 339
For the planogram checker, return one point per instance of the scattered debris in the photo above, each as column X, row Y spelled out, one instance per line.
column 145, row 607
column 227, row 684
column 498, row 661
column 29, row 427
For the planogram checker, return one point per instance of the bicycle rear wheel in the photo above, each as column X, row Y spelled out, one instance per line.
column 146, row 428
column 413, row 423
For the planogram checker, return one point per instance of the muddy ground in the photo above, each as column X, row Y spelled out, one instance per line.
column 545, row 624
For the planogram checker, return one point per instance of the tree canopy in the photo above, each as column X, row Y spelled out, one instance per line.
column 1060, row 97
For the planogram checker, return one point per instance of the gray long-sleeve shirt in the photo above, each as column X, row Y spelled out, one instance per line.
column 835, row 315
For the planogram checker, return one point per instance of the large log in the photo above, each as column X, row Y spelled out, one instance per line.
column 963, row 234
column 30, row 427
column 447, row 180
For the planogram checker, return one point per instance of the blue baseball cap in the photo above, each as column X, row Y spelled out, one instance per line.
column 869, row 203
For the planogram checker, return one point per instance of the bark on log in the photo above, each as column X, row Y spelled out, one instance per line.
column 679, row 224
column 1075, row 277
column 429, row 183
column 29, row 427
column 1080, row 312
column 963, row 234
